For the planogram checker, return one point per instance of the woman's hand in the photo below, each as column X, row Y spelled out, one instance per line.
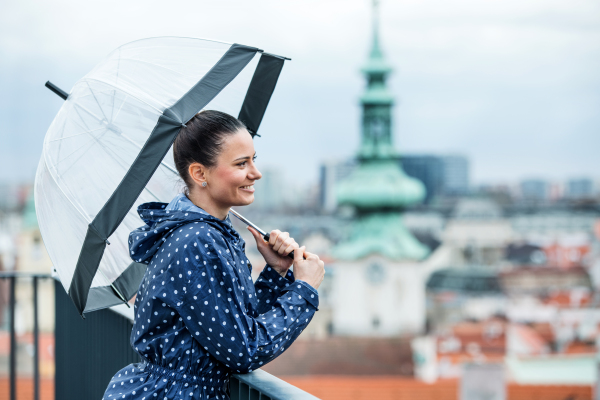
column 309, row 269
column 275, row 251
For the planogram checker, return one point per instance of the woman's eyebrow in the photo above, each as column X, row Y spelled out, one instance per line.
column 243, row 158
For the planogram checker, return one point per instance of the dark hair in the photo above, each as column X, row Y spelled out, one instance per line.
column 201, row 140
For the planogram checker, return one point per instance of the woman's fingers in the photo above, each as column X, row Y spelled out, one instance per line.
column 291, row 247
column 282, row 242
column 310, row 270
column 273, row 236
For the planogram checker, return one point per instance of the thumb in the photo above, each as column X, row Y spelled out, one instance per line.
column 256, row 235
column 298, row 254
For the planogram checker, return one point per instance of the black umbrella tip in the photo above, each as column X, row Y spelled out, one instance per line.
column 58, row 91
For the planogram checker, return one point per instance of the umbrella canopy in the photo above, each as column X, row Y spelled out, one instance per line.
column 109, row 150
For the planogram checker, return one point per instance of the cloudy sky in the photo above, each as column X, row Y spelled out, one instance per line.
column 512, row 84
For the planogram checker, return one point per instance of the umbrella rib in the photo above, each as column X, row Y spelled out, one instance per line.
column 71, row 153
column 125, row 136
column 79, row 158
column 86, row 80
column 112, row 112
column 86, row 143
column 81, row 118
column 115, row 158
column 78, row 134
column 62, row 132
column 112, row 155
column 97, row 102
column 119, row 110
column 74, row 204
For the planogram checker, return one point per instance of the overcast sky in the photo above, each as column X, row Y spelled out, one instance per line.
column 512, row 84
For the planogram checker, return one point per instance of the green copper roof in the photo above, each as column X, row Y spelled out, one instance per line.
column 380, row 233
column 29, row 216
column 378, row 187
column 376, row 65
column 377, row 95
column 380, row 184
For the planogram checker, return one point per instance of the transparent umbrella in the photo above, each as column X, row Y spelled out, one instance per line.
column 109, row 150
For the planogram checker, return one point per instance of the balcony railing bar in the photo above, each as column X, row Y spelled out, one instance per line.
column 36, row 342
column 13, row 342
column 268, row 386
column 12, row 278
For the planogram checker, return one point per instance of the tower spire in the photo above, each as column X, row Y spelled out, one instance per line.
column 378, row 188
column 376, row 49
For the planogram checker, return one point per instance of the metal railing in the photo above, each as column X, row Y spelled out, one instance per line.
column 88, row 352
column 12, row 279
column 260, row 385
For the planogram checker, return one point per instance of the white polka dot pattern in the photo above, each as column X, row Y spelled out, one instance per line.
column 197, row 318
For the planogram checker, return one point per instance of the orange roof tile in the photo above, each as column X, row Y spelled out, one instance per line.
column 393, row 388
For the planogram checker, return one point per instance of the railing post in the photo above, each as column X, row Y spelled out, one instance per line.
column 234, row 388
column 36, row 342
column 13, row 341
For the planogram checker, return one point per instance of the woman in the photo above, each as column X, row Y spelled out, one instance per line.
column 198, row 316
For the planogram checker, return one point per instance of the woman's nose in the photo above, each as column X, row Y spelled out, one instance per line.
column 255, row 174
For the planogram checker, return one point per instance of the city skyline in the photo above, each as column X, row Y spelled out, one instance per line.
column 495, row 82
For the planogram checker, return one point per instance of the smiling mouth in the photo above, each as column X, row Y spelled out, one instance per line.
column 249, row 187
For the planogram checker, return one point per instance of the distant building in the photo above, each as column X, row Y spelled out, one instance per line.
column 553, row 224
column 446, row 175
column 12, row 196
column 544, row 281
column 429, row 169
column 269, row 193
column 458, row 294
column 535, row 190
column 330, row 174
column 580, row 188
column 477, row 233
column 455, row 175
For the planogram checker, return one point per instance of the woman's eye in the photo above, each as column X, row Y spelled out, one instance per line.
column 243, row 163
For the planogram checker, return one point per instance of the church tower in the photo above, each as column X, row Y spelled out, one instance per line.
column 378, row 189
column 379, row 270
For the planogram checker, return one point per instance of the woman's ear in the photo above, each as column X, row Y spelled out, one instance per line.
column 197, row 172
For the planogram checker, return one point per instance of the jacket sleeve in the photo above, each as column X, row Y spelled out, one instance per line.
column 213, row 307
column 269, row 287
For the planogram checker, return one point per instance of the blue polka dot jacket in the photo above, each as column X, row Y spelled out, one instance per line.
column 198, row 315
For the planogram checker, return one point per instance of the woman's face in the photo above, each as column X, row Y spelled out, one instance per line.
column 231, row 181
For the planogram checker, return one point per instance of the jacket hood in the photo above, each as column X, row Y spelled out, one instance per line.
column 162, row 218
